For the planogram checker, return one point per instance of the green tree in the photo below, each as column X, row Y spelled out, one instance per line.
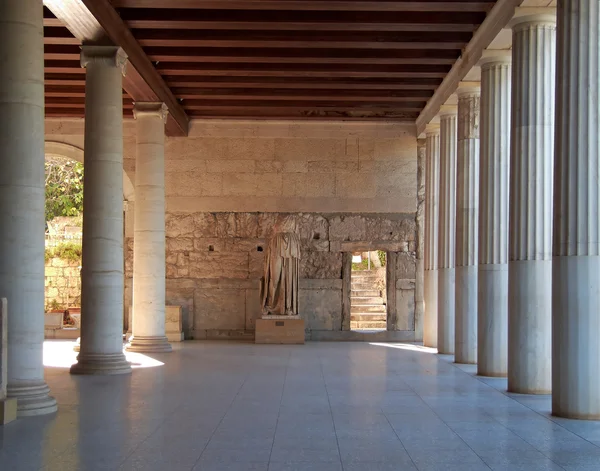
column 64, row 187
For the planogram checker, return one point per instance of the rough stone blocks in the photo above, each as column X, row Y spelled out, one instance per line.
column 279, row 331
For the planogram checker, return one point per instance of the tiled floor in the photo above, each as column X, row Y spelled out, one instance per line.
column 321, row 406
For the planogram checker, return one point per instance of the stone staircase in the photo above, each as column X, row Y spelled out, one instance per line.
column 368, row 311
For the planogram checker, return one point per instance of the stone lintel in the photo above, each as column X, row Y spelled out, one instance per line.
column 365, row 246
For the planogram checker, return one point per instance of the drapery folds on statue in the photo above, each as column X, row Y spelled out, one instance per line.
column 279, row 287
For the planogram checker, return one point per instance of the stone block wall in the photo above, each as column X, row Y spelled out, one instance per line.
column 356, row 186
column 215, row 262
column 62, row 282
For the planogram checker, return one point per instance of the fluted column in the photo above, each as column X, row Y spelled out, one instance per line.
column 576, row 244
column 447, row 231
column 101, row 350
column 149, row 231
column 492, row 302
column 467, row 212
column 432, row 215
column 22, row 200
column 530, row 212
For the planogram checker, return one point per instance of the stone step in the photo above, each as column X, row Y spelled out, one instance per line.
column 360, row 325
column 363, row 286
column 365, row 292
column 366, row 278
column 369, row 317
column 368, row 300
column 367, row 308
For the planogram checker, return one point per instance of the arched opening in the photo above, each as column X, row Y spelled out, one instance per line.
column 63, row 248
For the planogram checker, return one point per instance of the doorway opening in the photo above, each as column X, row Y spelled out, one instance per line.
column 368, row 295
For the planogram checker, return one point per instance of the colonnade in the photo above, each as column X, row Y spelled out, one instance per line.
column 22, row 211
column 525, row 249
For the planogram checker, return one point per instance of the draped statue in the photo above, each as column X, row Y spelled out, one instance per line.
column 279, row 286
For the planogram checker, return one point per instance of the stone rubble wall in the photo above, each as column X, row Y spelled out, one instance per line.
column 62, row 282
column 351, row 182
column 215, row 262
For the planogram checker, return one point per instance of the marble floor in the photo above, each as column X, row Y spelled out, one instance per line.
column 322, row 407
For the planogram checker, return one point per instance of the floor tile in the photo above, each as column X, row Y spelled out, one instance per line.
column 215, row 406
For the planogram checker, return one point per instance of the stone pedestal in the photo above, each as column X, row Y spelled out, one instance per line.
column 149, row 231
column 467, row 214
column 576, row 248
column 102, row 282
column 492, row 301
column 530, row 212
column 22, row 200
column 432, row 215
column 279, row 330
column 447, row 232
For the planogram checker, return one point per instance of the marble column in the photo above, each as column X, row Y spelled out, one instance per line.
column 101, row 350
column 530, row 208
column 149, row 231
column 22, row 200
column 576, row 243
column 467, row 224
column 432, row 215
column 492, row 301
column 447, row 230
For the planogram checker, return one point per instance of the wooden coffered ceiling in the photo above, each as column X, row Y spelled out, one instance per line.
column 323, row 59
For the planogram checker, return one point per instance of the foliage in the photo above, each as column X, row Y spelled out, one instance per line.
column 64, row 188
column 70, row 251
column 382, row 257
column 54, row 306
column 363, row 265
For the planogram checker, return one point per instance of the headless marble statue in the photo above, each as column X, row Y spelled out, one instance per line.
column 279, row 287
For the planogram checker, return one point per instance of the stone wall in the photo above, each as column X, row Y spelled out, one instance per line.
column 62, row 282
column 215, row 262
column 354, row 186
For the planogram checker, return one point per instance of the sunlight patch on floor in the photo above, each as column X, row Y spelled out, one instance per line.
column 406, row 346
column 60, row 354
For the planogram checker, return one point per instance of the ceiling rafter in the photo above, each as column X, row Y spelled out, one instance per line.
column 96, row 21
column 279, row 59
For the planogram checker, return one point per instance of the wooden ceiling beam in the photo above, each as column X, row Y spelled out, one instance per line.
column 96, row 21
column 297, row 26
column 305, row 5
column 348, row 105
column 297, row 94
column 303, row 83
column 287, row 44
column 292, row 75
column 62, row 56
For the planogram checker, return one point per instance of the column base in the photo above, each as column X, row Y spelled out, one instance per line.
column 149, row 345
column 101, row 364
column 32, row 399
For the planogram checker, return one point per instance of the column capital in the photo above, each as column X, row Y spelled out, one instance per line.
column 432, row 129
column 495, row 57
column 527, row 16
column 447, row 110
column 466, row 89
column 111, row 56
column 150, row 108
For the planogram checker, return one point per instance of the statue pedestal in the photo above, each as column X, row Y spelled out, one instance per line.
column 279, row 330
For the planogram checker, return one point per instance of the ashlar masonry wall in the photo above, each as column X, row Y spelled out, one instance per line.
column 351, row 186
